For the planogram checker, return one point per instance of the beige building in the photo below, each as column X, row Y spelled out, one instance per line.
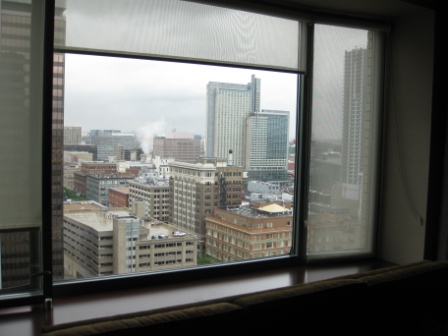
column 177, row 146
column 99, row 241
column 248, row 232
column 75, row 157
column 72, row 135
column 69, row 176
column 196, row 189
column 191, row 194
column 155, row 197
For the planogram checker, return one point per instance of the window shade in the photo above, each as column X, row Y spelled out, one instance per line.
column 20, row 117
column 182, row 30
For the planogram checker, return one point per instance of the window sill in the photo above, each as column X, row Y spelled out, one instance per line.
column 29, row 320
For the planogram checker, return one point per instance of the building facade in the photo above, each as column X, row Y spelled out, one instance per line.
column 75, row 157
column 248, row 232
column 98, row 167
column 355, row 80
column 228, row 106
column 155, row 196
column 98, row 185
column 72, row 135
column 99, row 242
column 197, row 189
column 266, row 153
column 107, row 142
column 119, row 197
column 179, row 148
column 191, row 194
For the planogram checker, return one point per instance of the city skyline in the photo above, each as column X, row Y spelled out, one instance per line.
column 151, row 98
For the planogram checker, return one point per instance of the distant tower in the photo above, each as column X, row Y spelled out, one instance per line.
column 355, row 73
column 228, row 106
column 267, row 145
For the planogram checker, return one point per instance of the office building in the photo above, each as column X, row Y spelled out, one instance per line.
column 177, row 146
column 228, row 106
column 266, row 152
column 72, row 135
column 98, row 185
column 355, row 95
column 100, row 242
column 248, row 232
column 155, row 194
column 69, row 176
column 119, row 197
column 197, row 189
column 98, row 167
column 107, row 141
column 191, row 194
column 77, row 157
column 82, row 148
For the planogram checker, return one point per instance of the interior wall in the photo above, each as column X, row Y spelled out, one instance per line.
column 407, row 139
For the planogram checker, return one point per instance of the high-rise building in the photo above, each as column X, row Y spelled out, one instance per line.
column 156, row 197
column 191, row 194
column 355, row 72
column 266, row 152
column 228, row 106
column 197, row 189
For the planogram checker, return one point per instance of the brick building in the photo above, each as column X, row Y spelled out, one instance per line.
column 248, row 232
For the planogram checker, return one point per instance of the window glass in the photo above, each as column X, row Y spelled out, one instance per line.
column 20, row 149
column 217, row 143
column 343, row 143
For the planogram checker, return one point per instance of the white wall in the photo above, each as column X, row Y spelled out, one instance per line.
column 401, row 235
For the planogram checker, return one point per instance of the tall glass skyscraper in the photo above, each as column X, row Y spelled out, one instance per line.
column 258, row 139
column 267, row 145
column 355, row 72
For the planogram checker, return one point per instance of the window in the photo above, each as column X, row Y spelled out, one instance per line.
column 252, row 93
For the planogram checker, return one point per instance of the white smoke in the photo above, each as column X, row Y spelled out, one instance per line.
column 146, row 134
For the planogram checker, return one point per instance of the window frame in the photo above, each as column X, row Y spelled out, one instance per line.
column 303, row 113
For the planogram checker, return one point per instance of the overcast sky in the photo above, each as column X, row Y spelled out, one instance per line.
column 153, row 98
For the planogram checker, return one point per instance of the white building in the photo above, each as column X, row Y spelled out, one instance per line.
column 191, row 194
column 101, row 242
column 228, row 106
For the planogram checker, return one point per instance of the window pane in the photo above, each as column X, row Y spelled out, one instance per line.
column 149, row 191
column 179, row 29
column 342, row 163
column 20, row 148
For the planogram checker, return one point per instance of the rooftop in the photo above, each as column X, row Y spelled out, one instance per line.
column 270, row 210
column 100, row 221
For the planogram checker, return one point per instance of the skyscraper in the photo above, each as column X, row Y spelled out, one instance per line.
column 355, row 73
column 228, row 106
column 266, row 152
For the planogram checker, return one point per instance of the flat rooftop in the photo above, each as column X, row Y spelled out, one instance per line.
column 166, row 229
column 100, row 221
column 271, row 210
